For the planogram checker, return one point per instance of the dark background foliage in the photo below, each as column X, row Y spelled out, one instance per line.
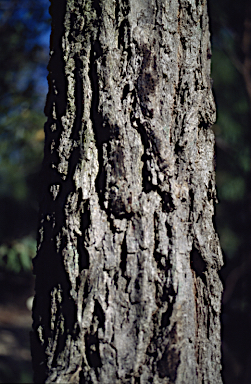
column 231, row 72
column 24, row 47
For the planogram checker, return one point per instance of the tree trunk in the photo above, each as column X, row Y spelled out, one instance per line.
column 127, row 284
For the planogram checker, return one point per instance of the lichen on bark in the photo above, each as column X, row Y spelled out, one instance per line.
column 127, row 284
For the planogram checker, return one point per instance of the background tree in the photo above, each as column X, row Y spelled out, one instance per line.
column 127, row 284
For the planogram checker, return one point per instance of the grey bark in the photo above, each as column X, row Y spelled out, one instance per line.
column 127, row 284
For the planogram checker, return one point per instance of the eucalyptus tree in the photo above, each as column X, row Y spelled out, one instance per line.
column 127, row 283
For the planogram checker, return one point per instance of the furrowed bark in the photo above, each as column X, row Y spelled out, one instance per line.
column 127, row 284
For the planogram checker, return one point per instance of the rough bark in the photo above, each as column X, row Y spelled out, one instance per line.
column 127, row 284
